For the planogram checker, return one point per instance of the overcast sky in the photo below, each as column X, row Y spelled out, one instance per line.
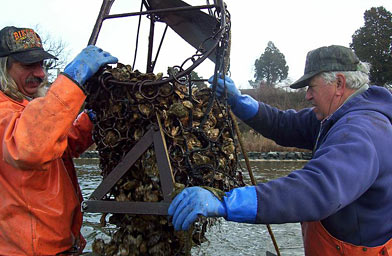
column 295, row 27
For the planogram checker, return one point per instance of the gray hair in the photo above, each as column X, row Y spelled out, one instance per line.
column 354, row 79
column 9, row 87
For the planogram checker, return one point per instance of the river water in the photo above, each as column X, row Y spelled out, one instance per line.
column 227, row 238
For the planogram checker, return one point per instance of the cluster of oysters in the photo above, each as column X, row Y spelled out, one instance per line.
column 200, row 143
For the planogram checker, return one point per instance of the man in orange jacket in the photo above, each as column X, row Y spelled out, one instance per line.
column 40, row 133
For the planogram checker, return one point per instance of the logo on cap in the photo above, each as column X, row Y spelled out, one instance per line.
column 26, row 39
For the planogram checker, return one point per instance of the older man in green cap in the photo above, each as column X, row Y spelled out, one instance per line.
column 342, row 196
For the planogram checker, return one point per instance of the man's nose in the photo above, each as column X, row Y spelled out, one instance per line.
column 38, row 70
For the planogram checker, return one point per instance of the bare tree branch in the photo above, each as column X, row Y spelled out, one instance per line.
column 56, row 47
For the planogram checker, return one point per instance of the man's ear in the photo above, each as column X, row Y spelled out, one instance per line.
column 340, row 84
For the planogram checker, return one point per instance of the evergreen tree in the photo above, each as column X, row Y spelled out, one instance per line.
column 373, row 43
column 271, row 66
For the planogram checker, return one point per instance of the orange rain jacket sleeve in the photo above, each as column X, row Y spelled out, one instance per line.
column 40, row 196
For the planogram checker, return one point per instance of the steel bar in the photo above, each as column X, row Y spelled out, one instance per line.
column 244, row 153
column 130, row 158
column 137, row 35
column 159, row 48
column 105, row 9
column 163, row 161
column 165, row 10
column 101, row 206
column 150, row 44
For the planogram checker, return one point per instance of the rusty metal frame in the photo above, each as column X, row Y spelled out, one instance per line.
column 105, row 14
column 96, row 203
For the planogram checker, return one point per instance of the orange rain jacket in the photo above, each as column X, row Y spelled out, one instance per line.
column 40, row 195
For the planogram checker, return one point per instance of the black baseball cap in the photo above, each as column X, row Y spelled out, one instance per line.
column 326, row 59
column 23, row 45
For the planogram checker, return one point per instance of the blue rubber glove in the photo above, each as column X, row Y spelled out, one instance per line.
column 87, row 62
column 232, row 91
column 191, row 202
column 91, row 114
column 243, row 106
column 239, row 205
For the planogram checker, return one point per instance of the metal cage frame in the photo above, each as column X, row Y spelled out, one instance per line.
column 154, row 136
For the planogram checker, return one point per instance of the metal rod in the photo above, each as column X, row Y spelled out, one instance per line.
column 177, row 9
column 125, row 207
column 273, row 239
column 165, row 170
column 239, row 137
column 103, row 15
column 150, row 44
column 159, row 48
column 180, row 74
column 137, row 37
column 105, row 9
column 130, row 158
column 252, row 177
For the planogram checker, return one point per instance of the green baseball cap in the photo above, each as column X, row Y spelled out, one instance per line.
column 23, row 45
column 325, row 59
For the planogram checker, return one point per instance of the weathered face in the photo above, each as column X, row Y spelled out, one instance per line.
column 322, row 96
column 28, row 77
